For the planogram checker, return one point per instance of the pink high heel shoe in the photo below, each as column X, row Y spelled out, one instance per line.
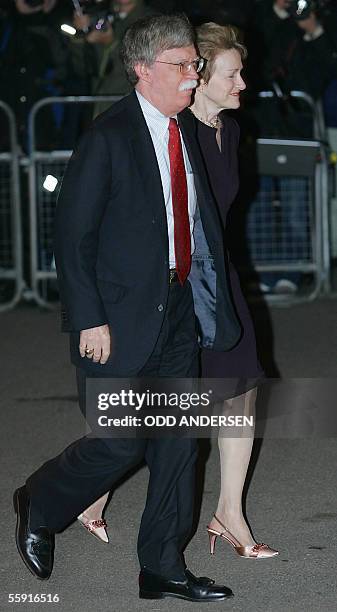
column 96, row 527
column 258, row 551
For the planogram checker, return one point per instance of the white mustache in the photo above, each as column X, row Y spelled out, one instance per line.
column 188, row 85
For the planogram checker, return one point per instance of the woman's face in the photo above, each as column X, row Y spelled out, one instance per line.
column 226, row 82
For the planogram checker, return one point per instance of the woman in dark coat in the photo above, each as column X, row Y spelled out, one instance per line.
column 239, row 369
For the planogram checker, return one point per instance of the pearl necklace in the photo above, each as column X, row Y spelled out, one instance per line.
column 213, row 124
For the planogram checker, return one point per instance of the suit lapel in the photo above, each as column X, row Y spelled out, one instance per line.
column 145, row 157
column 146, row 162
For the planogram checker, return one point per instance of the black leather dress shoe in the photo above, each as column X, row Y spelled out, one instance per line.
column 198, row 579
column 154, row 586
column 36, row 549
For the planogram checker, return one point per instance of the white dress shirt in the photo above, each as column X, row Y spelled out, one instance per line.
column 158, row 125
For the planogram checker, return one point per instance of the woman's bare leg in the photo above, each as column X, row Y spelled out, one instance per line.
column 95, row 511
column 235, row 455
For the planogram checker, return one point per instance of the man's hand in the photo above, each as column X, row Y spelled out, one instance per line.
column 25, row 9
column 101, row 37
column 282, row 4
column 95, row 343
column 81, row 21
column 46, row 6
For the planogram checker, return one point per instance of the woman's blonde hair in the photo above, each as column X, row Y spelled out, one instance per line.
column 212, row 39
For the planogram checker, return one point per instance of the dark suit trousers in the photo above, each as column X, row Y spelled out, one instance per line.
column 64, row 486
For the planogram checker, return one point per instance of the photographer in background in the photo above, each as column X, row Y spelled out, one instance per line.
column 271, row 22
column 295, row 42
column 308, row 61
column 271, row 17
column 95, row 50
column 298, row 55
column 32, row 63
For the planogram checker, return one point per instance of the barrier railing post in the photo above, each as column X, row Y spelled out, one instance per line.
column 313, row 181
column 42, row 210
column 42, row 207
column 11, row 264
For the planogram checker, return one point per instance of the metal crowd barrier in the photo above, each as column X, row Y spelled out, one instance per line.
column 43, row 202
column 11, row 275
column 270, row 250
column 288, row 221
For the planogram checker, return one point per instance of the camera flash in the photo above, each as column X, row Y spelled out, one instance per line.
column 50, row 182
column 301, row 5
column 68, row 29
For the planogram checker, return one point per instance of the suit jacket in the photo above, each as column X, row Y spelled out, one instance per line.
column 111, row 243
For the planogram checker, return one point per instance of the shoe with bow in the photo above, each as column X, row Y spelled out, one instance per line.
column 258, row 551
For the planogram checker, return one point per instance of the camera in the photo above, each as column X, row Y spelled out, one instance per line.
column 301, row 9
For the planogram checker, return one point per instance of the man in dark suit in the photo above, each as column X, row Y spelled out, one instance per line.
column 139, row 253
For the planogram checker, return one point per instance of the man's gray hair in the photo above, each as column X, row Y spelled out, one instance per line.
column 148, row 37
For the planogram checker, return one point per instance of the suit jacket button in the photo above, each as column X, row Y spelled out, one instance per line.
column 160, row 308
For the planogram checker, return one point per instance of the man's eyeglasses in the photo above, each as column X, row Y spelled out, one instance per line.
column 186, row 67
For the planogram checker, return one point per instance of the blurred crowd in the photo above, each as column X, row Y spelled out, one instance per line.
column 61, row 48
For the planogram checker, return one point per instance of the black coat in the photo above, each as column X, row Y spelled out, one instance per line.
column 111, row 243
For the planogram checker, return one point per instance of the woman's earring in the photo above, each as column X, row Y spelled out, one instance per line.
column 202, row 85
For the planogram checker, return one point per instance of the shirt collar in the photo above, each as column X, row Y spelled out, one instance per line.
column 316, row 34
column 153, row 116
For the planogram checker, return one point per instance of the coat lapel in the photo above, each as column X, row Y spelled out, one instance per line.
column 145, row 157
column 206, row 202
column 146, row 162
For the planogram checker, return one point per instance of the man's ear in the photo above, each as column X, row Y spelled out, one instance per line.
column 143, row 72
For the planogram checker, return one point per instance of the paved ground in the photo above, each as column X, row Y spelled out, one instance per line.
column 291, row 502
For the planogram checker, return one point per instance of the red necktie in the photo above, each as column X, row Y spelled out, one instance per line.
column 182, row 236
